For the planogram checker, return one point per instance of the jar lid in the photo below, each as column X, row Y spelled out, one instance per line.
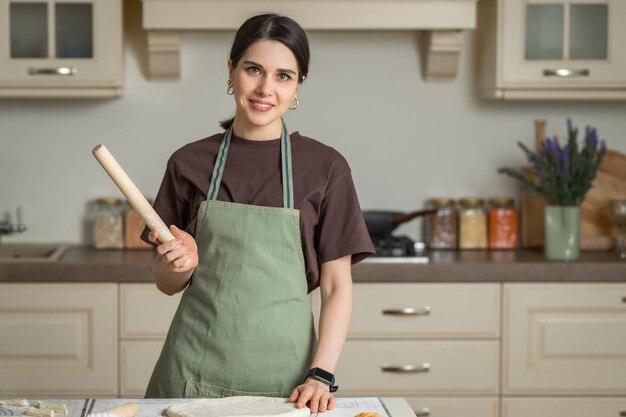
column 109, row 201
column 471, row 202
column 502, row 202
column 441, row 202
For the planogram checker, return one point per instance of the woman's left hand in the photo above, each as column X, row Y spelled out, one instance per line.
column 314, row 392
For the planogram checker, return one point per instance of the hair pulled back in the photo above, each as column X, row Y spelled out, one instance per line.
column 271, row 26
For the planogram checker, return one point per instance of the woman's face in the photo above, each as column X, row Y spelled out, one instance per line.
column 265, row 82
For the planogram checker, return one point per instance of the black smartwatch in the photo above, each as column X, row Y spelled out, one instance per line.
column 323, row 376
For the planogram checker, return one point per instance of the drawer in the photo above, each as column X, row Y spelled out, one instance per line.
column 426, row 310
column 137, row 360
column 563, row 407
column 385, row 368
column 563, row 339
column 145, row 312
column 454, row 407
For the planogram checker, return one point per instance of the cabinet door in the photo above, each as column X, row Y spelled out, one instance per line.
column 145, row 312
column 58, row 340
column 137, row 360
column 564, row 339
column 405, row 367
column 54, row 44
column 562, row 44
column 563, row 407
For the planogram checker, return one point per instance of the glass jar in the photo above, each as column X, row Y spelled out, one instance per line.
column 441, row 227
column 108, row 224
column 472, row 224
column 502, row 223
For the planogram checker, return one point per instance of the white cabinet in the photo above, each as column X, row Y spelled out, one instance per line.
column 58, row 340
column 69, row 48
column 564, row 407
column 145, row 317
column 562, row 339
column 552, row 49
column 422, row 340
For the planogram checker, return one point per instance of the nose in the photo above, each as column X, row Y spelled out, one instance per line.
column 264, row 87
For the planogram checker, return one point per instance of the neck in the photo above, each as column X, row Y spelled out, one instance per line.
column 267, row 132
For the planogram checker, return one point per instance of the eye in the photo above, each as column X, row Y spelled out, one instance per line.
column 284, row 76
column 253, row 70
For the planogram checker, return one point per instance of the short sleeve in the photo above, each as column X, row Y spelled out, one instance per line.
column 172, row 200
column 341, row 230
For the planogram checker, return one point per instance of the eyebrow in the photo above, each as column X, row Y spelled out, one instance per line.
column 279, row 69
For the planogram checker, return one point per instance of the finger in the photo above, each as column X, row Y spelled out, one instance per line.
column 331, row 402
column 314, row 405
column 153, row 236
column 177, row 232
column 166, row 247
column 324, row 402
column 305, row 396
column 176, row 253
column 294, row 395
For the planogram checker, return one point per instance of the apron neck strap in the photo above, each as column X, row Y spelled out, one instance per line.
column 285, row 159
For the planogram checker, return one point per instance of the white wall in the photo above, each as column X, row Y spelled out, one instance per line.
column 406, row 140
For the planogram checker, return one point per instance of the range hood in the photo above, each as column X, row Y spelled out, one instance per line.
column 443, row 20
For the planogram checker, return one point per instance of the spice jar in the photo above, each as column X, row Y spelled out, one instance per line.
column 502, row 224
column 134, row 225
column 108, row 226
column 441, row 227
column 472, row 224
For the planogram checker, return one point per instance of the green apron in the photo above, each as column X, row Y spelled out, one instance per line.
column 244, row 324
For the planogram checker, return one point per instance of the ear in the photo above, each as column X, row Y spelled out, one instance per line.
column 231, row 69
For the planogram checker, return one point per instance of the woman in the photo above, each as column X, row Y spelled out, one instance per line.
column 259, row 222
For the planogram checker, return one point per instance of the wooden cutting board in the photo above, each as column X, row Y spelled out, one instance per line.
column 596, row 227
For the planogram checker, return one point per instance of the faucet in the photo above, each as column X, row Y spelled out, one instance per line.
column 7, row 227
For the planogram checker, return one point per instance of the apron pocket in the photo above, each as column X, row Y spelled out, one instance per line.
column 203, row 390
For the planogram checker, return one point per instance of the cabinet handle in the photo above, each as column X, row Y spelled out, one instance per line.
column 424, row 412
column 622, row 413
column 565, row 72
column 64, row 71
column 407, row 311
column 406, row 369
column 623, row 299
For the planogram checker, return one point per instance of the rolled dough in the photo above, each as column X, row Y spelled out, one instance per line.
column 237, row 407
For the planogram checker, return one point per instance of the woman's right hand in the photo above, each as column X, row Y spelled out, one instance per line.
column 178, row 255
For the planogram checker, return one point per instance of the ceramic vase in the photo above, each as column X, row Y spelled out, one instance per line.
column 562, row 233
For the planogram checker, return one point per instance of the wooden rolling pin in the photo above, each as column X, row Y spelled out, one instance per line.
column 132, row 193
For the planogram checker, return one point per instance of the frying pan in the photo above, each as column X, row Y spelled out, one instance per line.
column 381, row 223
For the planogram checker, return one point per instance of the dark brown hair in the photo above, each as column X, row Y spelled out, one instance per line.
column 271, row 26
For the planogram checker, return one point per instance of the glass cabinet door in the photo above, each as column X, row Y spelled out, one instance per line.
column 73, row 30
column 566, row 31
column 28, row 24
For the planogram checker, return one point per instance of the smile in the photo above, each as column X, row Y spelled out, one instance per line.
column 259, row 106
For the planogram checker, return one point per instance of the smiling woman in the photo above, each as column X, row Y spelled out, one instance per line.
column 261, row 217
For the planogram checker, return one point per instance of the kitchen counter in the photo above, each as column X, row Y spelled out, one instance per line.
column 83, row 264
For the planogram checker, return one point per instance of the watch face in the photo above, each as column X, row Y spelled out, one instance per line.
column 327, row 376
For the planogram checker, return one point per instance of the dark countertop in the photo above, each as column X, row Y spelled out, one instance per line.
column 83, row 264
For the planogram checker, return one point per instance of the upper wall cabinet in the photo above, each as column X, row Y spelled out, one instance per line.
column 552, row 49
column 60, row 49
column 444, row 20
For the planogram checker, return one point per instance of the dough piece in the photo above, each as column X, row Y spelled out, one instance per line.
column 14, row 403
column 238, row 407
column 368, row 414
column 36, row 412
column 58, row 407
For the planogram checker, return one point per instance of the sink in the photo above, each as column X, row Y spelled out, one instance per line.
column 31, row 252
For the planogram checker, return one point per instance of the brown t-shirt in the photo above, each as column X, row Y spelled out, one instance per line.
column 331, row 222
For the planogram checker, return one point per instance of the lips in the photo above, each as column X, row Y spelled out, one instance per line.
column 260, row 105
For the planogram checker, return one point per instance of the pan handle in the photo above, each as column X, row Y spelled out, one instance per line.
column 409, row 216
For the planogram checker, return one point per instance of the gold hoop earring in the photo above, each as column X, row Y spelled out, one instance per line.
column 231, row 89
column 294, row 104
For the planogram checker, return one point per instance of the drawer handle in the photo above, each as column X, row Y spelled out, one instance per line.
column 64, row 71
column 424, row 412
column 406, row 369
column 565, row 72
column 407, row 311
